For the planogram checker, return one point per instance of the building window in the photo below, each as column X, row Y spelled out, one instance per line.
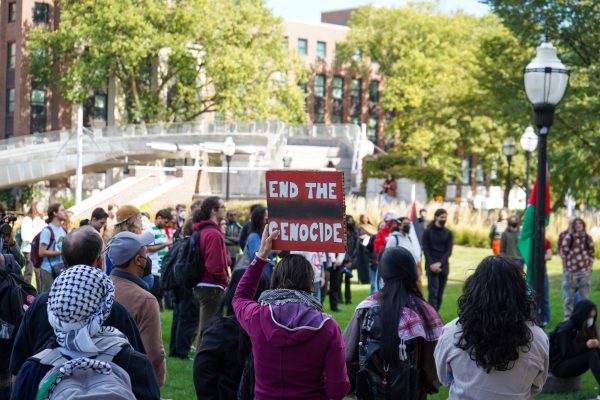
column 12, row 11
column 38, row 110
column 319, row 99
column 372, row 128
column 321, row 50
column 41, row 13
column 10, row 100
column 10, row 55
column 374, row 91
column 302, row 47
column 373, row 123
column 338, row 102
column 355, row 96
column 100, row 107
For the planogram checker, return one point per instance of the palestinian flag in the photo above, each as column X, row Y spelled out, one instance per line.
column 526, row 236
column 417, row 230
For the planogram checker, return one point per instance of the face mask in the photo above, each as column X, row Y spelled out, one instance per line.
column 182, row 215
column 148, row 268
column 513, row 224
column 590, row 322
column 442, row 223
column 406, row 228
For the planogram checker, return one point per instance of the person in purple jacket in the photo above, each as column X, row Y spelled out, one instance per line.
column 298, row 349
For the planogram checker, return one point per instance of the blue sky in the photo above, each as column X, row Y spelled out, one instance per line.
column 310, row 10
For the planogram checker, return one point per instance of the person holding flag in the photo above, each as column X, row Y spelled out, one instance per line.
column 406, row 237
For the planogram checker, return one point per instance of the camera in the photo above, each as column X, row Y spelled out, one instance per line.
column 6, row 223
column 8, row 218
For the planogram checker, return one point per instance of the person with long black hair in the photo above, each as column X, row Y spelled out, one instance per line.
column 574, row 345
column 223, row 364
column 437, row 246
column 258, row 220
column 392, row 335
column 494, row 350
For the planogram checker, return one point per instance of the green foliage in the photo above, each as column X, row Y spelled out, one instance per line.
column 172, row 60
column 402, row 166
column 66, row 201
column 7, row 198
column 574, row 140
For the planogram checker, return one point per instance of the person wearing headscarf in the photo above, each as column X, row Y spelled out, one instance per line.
column 79, row 301
column 406, row 334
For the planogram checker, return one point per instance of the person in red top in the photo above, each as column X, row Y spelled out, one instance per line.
column 209, row 292
column 391, row 219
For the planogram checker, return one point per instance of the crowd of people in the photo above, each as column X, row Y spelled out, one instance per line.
column 253, row 322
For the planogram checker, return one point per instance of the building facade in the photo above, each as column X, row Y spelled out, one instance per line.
column 334, row 94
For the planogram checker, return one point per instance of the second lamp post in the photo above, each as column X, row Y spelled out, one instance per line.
column 229, row 151
column 529, row 142
column 509, row 149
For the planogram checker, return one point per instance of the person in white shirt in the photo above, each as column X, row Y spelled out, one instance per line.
column 402, row 238
column 32, row 224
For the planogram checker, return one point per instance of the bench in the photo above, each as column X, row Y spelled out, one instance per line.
column 561, row 385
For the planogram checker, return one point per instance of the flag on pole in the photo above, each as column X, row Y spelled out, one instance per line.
column 526, row 236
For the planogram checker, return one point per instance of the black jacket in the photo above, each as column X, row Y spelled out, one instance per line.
column 437, row 245
column 137, row 365
column 219, row 362
column 568, row 339
column 35, row 331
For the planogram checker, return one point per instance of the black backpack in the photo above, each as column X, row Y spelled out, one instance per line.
column 377, row 380
column 167, row 277
column 189, row 263
column 15, row 298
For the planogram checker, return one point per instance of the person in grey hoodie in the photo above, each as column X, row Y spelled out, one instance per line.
column 493, row 350
column 510, row 238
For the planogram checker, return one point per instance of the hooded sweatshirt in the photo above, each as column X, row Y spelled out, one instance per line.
column 216, row 258
column 567, row 340
column 298, row 351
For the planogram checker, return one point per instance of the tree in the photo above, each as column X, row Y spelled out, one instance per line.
column 435, row 87
column 173, row 60
column 574, row 140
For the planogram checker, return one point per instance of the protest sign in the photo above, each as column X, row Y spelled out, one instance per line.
column 308, row 209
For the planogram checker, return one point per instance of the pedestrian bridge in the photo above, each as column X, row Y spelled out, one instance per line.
column 265, row 145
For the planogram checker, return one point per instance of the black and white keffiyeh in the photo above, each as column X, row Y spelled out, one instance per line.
column 79, row 301
column 283, row 296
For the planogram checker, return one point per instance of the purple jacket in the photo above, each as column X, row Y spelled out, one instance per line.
column 298, row 351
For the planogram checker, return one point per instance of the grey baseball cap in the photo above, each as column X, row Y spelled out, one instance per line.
column 124, row 245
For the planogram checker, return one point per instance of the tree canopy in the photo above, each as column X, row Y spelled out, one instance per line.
column 172, row 59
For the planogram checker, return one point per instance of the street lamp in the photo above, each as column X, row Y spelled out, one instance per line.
column 545, row 79
column 229, row 151
column 528, row 142
column 509, row 149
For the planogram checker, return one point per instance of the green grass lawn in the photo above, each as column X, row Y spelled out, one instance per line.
column 179, row 384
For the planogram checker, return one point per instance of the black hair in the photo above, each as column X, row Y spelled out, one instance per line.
column 99, row 213
column 398, row 270
column 82, row 246
column 203, row 213
column 438, row 212
column 293, row 272
column 165, row 213
column 52, row 208
column 421, row 210
column 226, row 308
column 495, row 311
column 254, row 207
column 257, row 220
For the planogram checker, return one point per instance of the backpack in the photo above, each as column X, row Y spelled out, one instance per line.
column 167, row 277
column 189, row 263
column 84, row 382
column 34, row 256
column 16, row 296
column 378, row 380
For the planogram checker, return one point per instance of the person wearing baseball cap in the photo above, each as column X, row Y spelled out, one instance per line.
column 128, row 254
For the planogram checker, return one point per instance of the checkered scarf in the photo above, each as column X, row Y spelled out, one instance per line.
column 79, row 301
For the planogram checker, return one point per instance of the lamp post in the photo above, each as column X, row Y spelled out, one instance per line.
column 509, row 149
column 229, row 151
column 545, row 79
column 529, row 143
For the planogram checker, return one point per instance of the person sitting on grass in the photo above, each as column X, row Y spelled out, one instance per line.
column 574, row 345
column 494, row 350
column 391, row 336
column 298, row 349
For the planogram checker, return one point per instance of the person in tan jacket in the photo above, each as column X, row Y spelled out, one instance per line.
column 127, row 252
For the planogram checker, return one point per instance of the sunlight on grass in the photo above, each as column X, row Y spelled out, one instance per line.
column 179, row 384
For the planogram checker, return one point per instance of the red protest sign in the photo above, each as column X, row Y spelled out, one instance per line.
column 308, row 209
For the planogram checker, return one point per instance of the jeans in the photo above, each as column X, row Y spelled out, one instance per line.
column 185, row 322
column 317, row 286
column 334, row 287
column 579, row 364
column 46, row 281
column 347, row 288
column 574, row 282
column 546, row 305
column 373, row 280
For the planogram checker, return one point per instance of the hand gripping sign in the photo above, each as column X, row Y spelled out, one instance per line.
column 308, row 209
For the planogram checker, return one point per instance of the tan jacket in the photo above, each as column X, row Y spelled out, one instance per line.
column 143, row 307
